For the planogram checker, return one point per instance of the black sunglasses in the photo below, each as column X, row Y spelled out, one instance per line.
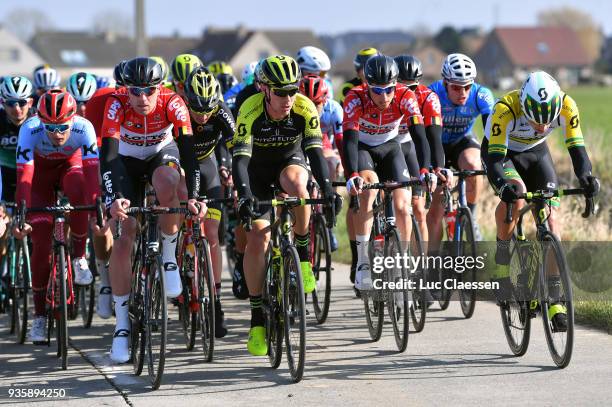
column 13, row 103
column 284, row 92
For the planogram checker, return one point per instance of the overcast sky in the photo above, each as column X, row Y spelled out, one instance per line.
column 189, row 17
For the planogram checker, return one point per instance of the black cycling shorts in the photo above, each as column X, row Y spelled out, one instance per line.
column 210, row 185
column 453, row 150
column 412, row 162
column 9, row 183
column 386, row 159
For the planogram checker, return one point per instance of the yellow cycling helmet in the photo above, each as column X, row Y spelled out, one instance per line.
column 280, row 71
column 219, row 67
column 362, row 56
column 182, row 66
column 202, row 90
column 163, row 64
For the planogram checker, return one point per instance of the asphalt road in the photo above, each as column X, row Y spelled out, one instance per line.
column 453, row 361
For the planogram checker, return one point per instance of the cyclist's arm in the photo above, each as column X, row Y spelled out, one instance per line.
column 242, row 147
column 350, row 129
column 409, row 106
column 497, row 133
column 89, row 150
column 574, row 141
column 432, row 116
column 25, row 160
column 313, row 145
column 336, row 119
column 227, row 127
column 111, row 167
column 177, row 113
column 485, row 101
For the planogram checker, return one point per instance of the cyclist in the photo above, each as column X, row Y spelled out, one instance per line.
column 463, row 100
column 410, row 73
column 82, row 87
column 330, row 116
column 102, row 81
column 213, row 125
column 517, row 160
column 181, row 67
column 372, row 116
column 273, row 128
column 224, row 75
column 138, row 138
column 57, row 147
column 45, row 78
column 165, row 70
column 248, row 75
column 247, row 91
column 313, row 60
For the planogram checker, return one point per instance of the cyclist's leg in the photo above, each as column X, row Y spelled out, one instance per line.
column 349, row 218
column 362, row 220
column 418, row 197
column 436, row 210
column 469, row 159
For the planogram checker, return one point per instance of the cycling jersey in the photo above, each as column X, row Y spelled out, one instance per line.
column 429, row 104
column 220, row 127
column 94, row 109
column 242, row 96
column 331, row 123
column 459, row 120
column 8, row 140
column 346, row 86
column 230, row 96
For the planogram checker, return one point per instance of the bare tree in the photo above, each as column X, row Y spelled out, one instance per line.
column 582, row 23
column 114, row 22
column 25, row 22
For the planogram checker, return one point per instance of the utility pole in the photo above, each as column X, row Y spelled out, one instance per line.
column 141, row 36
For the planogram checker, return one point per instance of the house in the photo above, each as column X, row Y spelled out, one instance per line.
column 345, row 46
column 431, row 57
column 16, row 57
column 170, row 47
column 510, row 53
column 74, row 51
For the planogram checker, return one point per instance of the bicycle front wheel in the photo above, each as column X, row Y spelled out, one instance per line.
column 397, row 303
column 62, row 326
column 206, row 300
column 294, row 313
column 156, row 321
column 321, row 267
column 556, row 291
column 418, row 308
column 19, row 290
column 467, row 249
column 136, row 313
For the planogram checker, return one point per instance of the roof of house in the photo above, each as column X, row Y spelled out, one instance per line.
column 542, row 46
column 290, row 41
column 80, row 48
column 170, row 47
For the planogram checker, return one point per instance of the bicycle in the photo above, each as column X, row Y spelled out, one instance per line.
column 197, row 302
column 85, row 295
column 385, row 241
column 459, row 230
column 533, row 262
column 60, row 287
column 283, row 294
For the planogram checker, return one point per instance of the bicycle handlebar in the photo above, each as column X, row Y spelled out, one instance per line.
column 547, row 194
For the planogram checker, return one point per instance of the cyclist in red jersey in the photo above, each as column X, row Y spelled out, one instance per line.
column 372, row 115
column 138, row 139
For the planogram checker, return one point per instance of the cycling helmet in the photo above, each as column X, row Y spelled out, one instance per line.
column 142, row 72
column 314, row 88
column 118, row 73
column 280, row 71
column 46, row 78
column 248, row 71
column 182, row 66
column 362, row 56
column 56, row 106
column 82, row 86
column 163, row 64
column 381, row 70
column 220, row 67
column 410, row 68
column 459, row 68
column 16, row 88
column 226, row 81
column 202, row 90
column 313, row 60
column 102, row 82
column 540, row 98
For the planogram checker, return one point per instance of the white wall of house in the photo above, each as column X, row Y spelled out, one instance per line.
column 16, row 57
column 258, row 46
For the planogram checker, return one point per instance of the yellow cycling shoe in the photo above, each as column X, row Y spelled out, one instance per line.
column 257, row 345
column 308, row 278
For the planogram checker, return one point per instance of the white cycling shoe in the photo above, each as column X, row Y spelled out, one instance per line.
column 38, row 332
column 363, row 277
column 82, row 274
column 174, row 288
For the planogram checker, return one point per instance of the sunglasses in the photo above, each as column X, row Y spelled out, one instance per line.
column 13, row 103
column 56, row 128
column 284, row 92
column 458, row 88
column 382, row 91
column 205, row 112
column 413, row 87
column 137, row 91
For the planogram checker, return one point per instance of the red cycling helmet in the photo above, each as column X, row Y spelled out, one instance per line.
column 56, row 107
column 314, row 88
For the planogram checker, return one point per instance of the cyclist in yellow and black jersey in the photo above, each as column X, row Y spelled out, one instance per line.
column 517, row 160
column 274, row 129
column 182, row 65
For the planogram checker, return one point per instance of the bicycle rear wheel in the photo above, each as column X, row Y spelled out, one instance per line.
column 467, row 249
column 189, row 319
column 418, row 308
column 273, row 308
column 444, row 293
column 321, row 267
column 560, row 341
column 19, row 290
column 136, row 313
column 294, row 313
column 206, row 300
column 397, row 302
column 156, row 321
column 62, row 326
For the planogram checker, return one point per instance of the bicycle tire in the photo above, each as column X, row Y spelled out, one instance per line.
column 206, row 310
column 561, row 355
column 7, row 288
column 444, row 293
column 418, row 308
column 189, row 319
column 156, row 321
column 136, row 313
column 62, row 332
column 321, row 267
column 397, row 302
column 467, row 298
column 20, row 291
column 373, row 300
column 294, row 309
column 272, row 300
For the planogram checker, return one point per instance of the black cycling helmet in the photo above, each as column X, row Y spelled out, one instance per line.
column 118, row 73
column 380, row 70
column 142, row 72
column 362, row 56
column 410, row 68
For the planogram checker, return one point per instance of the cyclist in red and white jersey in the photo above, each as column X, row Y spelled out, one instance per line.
column 143, row 132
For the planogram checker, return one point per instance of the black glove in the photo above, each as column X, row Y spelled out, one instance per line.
column 591, row 186
column 246, row 209
column 333, row 206
column 508, row 193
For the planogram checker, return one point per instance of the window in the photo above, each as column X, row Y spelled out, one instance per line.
column 542, row 47
column 9, row 54
column 75, row 57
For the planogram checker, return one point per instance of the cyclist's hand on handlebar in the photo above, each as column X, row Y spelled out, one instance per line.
column 21, row 233
column 354, row 184
column 226, row 177
column 508, row 192
column 429, row 179
column 591, row 186
column 118, row 209
column 197, row 208
column 246, row 209
column 445, row 176
column 97, row 230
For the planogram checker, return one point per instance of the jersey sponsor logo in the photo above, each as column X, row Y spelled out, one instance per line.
column 108, row 183
column 574, row 121
column 542, row 94
column 486, row 96
column 242, row 131
column 23, row 153
column 179, row 109
column 313, row 122
column 90, row 150
column 112, row 110
column 349, row 107
column 495, row 130
column 411, row 105
column 435, row 105
column 9, row 141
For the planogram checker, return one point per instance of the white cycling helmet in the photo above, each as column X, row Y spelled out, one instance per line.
column 82, row 86
column 249, row 69
column 540, row 98
column 46, row 78
column 313, row 59
column 16, row 88
column 459, row 68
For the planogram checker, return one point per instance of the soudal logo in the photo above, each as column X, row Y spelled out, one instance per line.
column 108, row 184
column 411, row 105
column 112, row 110
column 180, row 111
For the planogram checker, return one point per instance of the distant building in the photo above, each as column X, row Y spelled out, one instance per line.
column 16, row 57
column 510, row 53
column 170, row 47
